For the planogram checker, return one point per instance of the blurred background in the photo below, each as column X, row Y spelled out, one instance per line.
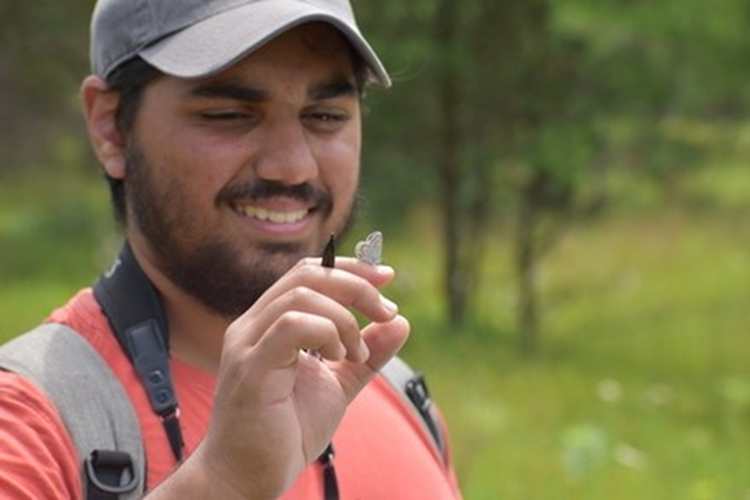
column 564, row 189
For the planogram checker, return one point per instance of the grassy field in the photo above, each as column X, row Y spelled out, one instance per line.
column 642, row 389
column 642, row 386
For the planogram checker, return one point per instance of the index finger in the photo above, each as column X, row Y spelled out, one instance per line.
column 350, row 284
column 379, row 275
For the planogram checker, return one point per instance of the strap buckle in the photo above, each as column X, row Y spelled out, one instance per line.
column 110, row 473
column 416, row 390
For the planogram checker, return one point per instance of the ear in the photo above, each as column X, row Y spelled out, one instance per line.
column 99, row 109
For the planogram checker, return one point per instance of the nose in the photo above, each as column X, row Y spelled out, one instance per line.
column 286, row 155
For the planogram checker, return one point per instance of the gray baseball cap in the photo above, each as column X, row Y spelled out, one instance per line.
column 194, row 38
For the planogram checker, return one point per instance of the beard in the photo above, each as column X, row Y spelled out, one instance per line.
column 219, row 273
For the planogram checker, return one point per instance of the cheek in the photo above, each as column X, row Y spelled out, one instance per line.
column 341, row 176
column 341, row 165
column 188, row 162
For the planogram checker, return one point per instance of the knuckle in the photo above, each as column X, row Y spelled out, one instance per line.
column 300, row 295
column 350, row 323
column 308, row 265
column 290, row 320
column 365, row 292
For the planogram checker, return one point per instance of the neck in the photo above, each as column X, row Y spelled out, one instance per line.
column 196, row 333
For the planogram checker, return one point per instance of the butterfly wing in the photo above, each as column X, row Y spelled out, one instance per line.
column 371, row 248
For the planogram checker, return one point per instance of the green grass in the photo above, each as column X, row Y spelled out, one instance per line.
column 642, row 386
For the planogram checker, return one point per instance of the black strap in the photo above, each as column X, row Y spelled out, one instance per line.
column 410, row 385
column 109, row 474
column 137, row 317
column 330, row 484
column 419, row 395
column 135, row 312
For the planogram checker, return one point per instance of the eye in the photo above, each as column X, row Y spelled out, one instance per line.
column 326, row 121
column 330, row 117
column 228, row 120
column 224, row 116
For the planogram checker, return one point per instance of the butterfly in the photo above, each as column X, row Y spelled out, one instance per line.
column 370, row 249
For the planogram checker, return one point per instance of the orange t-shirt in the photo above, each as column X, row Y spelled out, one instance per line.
column 381, row 450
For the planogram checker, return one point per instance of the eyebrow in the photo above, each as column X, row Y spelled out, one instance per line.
column 230, row 90
column 331, row 90
column 237, row 91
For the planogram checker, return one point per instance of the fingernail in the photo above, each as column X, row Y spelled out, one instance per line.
column 389, row 305
column 383, row 269
column 364, row 351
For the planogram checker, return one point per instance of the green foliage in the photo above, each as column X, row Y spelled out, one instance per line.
column 43, row 59
column 55, row 237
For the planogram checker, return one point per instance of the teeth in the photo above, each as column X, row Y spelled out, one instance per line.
column 269, row 215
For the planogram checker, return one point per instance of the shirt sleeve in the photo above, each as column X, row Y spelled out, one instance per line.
column 37, row 457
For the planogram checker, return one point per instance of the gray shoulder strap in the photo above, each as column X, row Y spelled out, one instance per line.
column 410, row 385
column 89, row 398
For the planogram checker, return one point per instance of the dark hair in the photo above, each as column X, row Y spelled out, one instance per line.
column 131, row 78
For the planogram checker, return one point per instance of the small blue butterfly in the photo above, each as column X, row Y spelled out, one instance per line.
column 370, row 250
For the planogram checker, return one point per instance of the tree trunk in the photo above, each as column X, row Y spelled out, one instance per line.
column 448, row 154
column 528, row 328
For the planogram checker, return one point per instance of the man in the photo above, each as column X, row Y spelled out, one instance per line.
column 230, row 134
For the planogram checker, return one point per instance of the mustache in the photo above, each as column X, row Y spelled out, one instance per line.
column 258, row 190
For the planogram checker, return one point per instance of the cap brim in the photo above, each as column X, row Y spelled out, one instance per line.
column 211, row 45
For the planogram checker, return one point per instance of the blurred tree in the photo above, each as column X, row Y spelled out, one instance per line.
column 536, row 121
column 657, row 66
column 44, row 57
column 504, row 127
column 521, row 109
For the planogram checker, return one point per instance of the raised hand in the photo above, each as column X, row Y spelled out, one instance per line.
column 277, row 407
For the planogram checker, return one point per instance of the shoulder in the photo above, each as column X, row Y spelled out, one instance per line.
column 37, row 458
column 20, row 397
column 382, row 435
column 83, row 314
column 86, row 405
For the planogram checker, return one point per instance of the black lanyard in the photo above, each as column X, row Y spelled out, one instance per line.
column 137, row 318
column 136, row 315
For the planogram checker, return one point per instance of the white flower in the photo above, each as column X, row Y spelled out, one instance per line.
column 609, row 390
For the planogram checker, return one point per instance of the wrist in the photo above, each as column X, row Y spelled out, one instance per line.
column 197, row 479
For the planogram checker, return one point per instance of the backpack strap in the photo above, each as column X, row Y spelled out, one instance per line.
column 92, row 404
column 412, row 388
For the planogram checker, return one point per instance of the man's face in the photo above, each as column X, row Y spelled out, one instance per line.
column 233, row 178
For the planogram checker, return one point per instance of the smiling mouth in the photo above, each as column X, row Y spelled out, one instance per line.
column 274, row 216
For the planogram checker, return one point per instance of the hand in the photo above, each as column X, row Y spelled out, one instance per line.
column 276, row 407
